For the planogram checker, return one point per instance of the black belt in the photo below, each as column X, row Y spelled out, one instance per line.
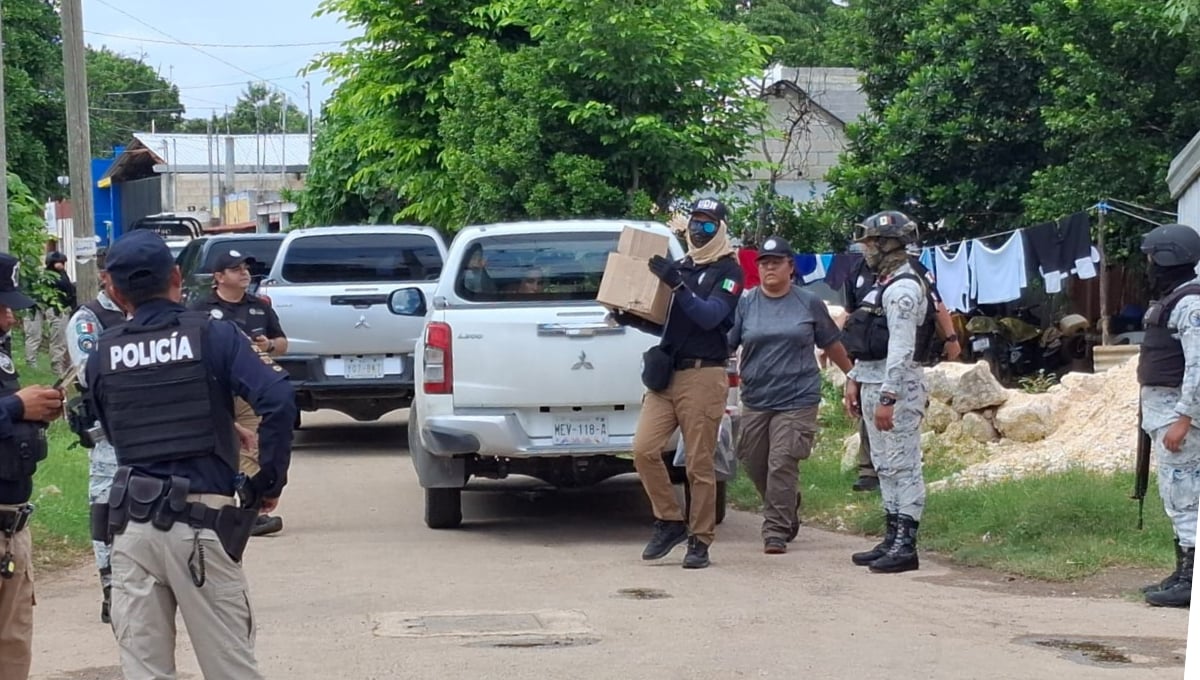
column 682, row 364
column 13, row 521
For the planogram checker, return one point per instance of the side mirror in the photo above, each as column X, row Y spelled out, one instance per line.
column 407, row 302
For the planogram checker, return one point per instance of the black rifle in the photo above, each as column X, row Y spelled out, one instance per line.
column 1141, row 479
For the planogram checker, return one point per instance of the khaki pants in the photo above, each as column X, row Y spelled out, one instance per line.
column 694, row 402
column 16, row 609
column 34, row 323
column 770, row 446
column 151, row 580
column 245, row 416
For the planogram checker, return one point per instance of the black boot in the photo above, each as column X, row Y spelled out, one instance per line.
column 863, row 559
column 697, row 554
column 1180, row 592
column 902, row 556
column 866, row 483
column 1170, row 580
column 666, row 536
column 106, row 603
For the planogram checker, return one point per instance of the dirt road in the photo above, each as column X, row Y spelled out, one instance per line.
column 538, row 586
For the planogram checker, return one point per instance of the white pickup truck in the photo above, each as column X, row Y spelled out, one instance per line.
column 330, row 287
column 518, row 371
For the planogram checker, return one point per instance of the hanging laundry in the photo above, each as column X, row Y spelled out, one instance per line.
column 953, row 276
column 842, row 268
column 927, row 259
column 810, row 267
column 997, row 275
column 1061, row 249
column 748, row 258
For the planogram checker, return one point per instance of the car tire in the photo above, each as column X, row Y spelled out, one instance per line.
column 443, row 508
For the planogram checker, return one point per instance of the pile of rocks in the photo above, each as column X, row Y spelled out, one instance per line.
column 1087, row 421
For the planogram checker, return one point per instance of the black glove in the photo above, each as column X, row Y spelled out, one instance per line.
column 666, row 271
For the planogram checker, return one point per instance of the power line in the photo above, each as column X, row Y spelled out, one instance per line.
column 204, row 87
column 180, row 42
column 216, row 45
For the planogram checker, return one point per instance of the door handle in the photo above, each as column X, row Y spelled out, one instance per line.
column 578, row 330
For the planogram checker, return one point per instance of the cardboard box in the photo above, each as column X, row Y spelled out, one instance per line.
column 628, row 284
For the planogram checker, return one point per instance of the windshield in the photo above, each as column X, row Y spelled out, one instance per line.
column 535, row 267
column 263, row 250
column 343, row 258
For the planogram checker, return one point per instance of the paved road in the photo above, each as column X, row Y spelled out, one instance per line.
column 551, row 586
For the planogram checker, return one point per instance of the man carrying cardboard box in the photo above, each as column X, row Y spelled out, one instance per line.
column 686, row 382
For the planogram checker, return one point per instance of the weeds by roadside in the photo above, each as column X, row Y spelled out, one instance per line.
column 1059, row 527
column 61, row 532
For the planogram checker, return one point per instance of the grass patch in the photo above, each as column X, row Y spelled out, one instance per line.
column 1056, row 528
column 60, row 525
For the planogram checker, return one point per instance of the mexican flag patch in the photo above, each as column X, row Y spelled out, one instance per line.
column 730, row 286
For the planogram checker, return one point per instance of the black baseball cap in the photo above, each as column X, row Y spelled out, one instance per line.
column 139, row 261
column 711, row 207
column 10, row 284
column 231, row 259
column 775, row 247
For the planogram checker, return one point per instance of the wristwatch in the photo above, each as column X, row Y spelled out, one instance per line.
column 270, row 346
column 885, row 400
column 953, row 337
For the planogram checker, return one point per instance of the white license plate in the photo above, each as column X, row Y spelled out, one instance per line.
column 581, row 430
column 980, row 344
column 364, row 368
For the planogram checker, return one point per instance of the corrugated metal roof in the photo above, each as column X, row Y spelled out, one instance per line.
column 837, row 90
column 192, row 149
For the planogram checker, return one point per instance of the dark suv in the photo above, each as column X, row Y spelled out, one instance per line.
column 196, row 260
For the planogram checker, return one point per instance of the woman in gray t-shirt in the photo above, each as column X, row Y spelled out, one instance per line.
column 778, row 327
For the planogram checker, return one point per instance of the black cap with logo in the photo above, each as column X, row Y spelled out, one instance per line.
column 10, row 284
column 229, row 260
column 775, row 247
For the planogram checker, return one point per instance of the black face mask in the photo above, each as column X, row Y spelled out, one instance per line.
column 701, row 230
column 1163, row 280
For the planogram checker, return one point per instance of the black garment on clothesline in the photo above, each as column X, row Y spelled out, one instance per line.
column 1057, row 247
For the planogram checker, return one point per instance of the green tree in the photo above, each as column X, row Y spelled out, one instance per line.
column 258, row 110
column 537, row 107
column 33, row 84
column 27, row 238
column 810, row 32
column 127, row 95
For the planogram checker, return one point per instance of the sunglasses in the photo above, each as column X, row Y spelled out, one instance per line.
column 707, row 226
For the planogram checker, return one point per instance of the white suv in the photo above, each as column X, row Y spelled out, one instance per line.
column 518, row 371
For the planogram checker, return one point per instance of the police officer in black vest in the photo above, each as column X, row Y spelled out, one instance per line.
column 162, row 386
column 231, row 300
column 24, row 414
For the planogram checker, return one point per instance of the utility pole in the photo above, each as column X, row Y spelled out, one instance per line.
column 308, row 95
column 3, row 151
column 79, row 148
column 283, row 132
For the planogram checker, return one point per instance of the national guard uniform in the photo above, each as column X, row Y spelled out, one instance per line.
column 256, row 318
column 1169, row 373
column 889, row 336
column 83, row 334
column 22, row 447
column 162, row 386
column 690, row 387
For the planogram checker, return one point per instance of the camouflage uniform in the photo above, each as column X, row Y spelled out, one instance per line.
column 83, row 332
column 1179, row 472
column 896, row 454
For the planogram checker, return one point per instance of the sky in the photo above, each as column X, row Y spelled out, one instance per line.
column 211, row 77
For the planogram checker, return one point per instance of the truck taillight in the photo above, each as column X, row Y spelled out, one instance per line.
column 439, row 373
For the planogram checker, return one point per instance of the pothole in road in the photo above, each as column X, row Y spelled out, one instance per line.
column 1112, row 652
column 643, row 593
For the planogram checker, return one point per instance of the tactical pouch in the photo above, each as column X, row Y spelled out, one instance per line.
column 173, row 504
column 657, row 368
column 20, row 454
column 99, row 517
column 80, row 421
column 118, row 511
column 233, row 529
column 143, row 495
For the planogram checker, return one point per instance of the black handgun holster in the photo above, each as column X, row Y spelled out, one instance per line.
column 233, row 528
column 99, row 517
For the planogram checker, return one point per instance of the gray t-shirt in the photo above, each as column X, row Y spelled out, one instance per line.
column 779, row 337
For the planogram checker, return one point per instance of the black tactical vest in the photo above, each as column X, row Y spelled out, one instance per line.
column 20, row 454
column 866, row 335
column 107, row 317
column 158, row 395
column 1161, row 361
